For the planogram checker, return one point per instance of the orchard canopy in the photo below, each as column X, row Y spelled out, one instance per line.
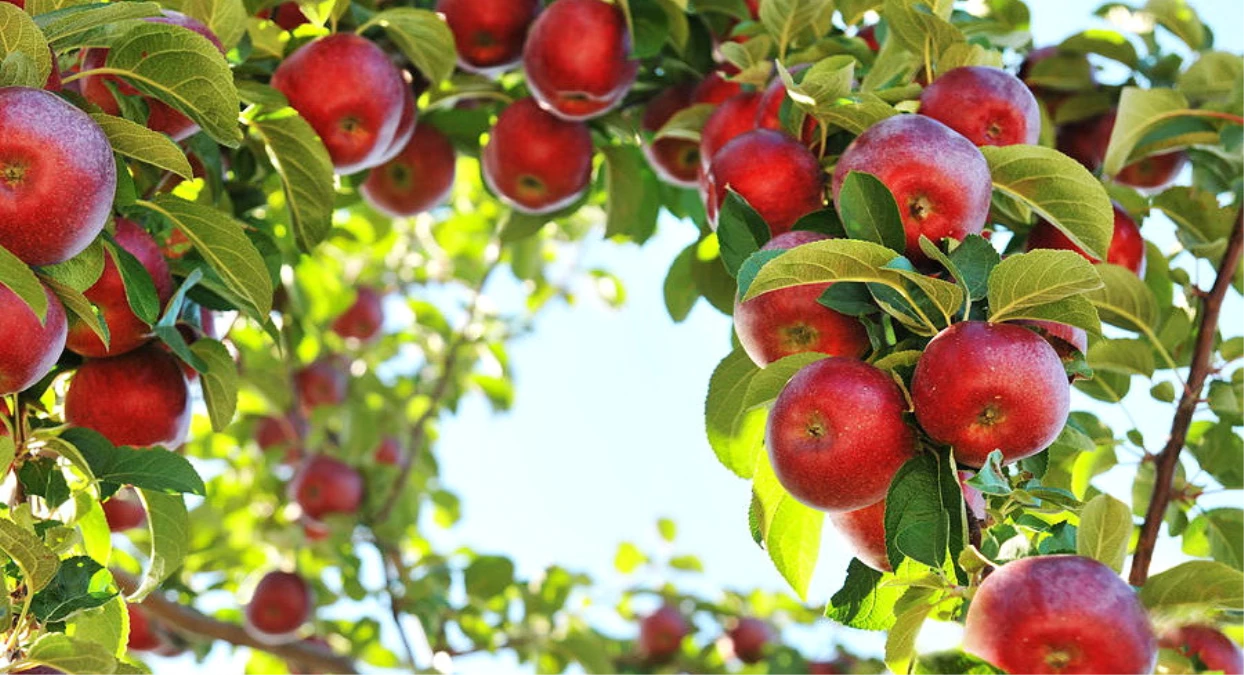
column 984, row 291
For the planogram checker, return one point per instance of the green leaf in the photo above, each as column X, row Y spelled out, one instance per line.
column 855, row 113
column 869, row 212
column 183, row 69
column 1199, row 584
column 80, row 583
column 1220, row 452
column 71, row 654
column 37, row 562
column 43, row 478
column 78, row 307
column 306, row 172
column 1179, row 18
column 740, row 231
column 786, row 19
column 222, row 242
column 1202, row 225
column 1058, row 189
column 924, row 519
column 136, row 141
column 631, row 189
column 17, row 68
column 422, row 36
column 822, row 85
column 1147, row 121
column 219, row 382
column 17, row 277
column 679, row 289
column 686, row 563
column 148, row 468
column 1105, row 527
column 1214, row 76
column 20, row 35
column 1218, row 534
column 1107, row 43
column 990, row 478
column 1124, row 300
column 488, row 576
column 628, row 558
column 864, row 601
column 976, row 259
column 919, row 30
column 226, row 18
column 1028, row 285
column 66, row 28
column 790, row 530
column 81, row 271
column 686, row 123
column 169, row 527
column 912, row 610
column 668, row 529
column 952, row 662
column 1127, row 356
column 961, row 54
column 106, row 625
column 140, row 290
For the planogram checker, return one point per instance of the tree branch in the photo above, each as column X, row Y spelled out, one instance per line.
column 1168, row 458
column 194, row 623
column 393, row 573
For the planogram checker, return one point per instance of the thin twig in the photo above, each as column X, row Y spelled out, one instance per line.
column 392, row 561
column 1168, row 459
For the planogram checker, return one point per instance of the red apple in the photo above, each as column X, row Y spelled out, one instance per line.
column 1059, row 614
column 715, row 89
column 363, row 319
column 389, row 452
column 1154, row 172
column 1086, row 142
column 939, row 178
column 980, row 386
column 315, row 530
column 790, row 320
column 57, row 176
column 836, row 434
column 124, row 512
column 278, row 432
column 750, row 638
column 350, row 93
column 125, row 330
column 28, row 349
column 1127, row 244
column 989, row 106
column 140, row 398
column 143, row 635
column 419, row 178
column 736, row 116
column 280, row 606
column 869, row 35
column 1062, row 337
column 1207, row 645
column 661, row 634
column 777, row 175
column 578, row 58
column 325, row 485
column 287, row 15
column 675, row 160
column 768, row 116
column 406, row 123
column 489, row 34
column 536, row 162
column 320, row 383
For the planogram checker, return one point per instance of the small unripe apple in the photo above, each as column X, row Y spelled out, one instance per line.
column 324, row 485
column 28, row 349
column 749, row 638
column 321, row 383
column 363, row 319
column 280, row 606
column 489, row 34
column 989, row 106
column 661, row 634
column 1207, row 645
column 1059, row 614
column 778, row 176
column 420, row 176
column 1127, row 244
column 536, row 162
column 124, row 512
column 578, row 58
column 143, row 634
column 140, row 398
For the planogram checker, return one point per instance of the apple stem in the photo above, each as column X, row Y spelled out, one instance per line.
column 1198, row 371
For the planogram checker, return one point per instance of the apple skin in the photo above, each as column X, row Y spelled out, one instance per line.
column 124, row 512
column 1062, row 337
column 836, row 434
column 989, row 106
column 869, row 35
column 778, row 176
column 1127, row 244
column 790, row 320
column 1059, row 614
column 939, row 178
column 1086, row 142
column 350, row 93
column 389, row 452
column 750, row 637
column 139, row 399
column 364, row 318
column 143, row 635
column 733, row 117
column 536, row 162
column 126, row 331
column 715, row 89
column 769, row 112
column 287, row 15
column 661, row 634
column 273, row 433
column 320, row 383
column 1208, row 645
column 980, row 386
column 280, row 605
column 1154, row 172
column 58, row 176
column 406, row 123
column 578, row 58
column 28, row 349
column 325, row 485
column 489, row 34
column 420, row 177
column 675, row 160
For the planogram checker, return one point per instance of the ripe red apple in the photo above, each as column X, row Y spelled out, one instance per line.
column 790, row 320
column 279, row 432
column 836, row 434
column 1059, row 614
column 715, row 89
column 124, row 511
column 325, row 485
column 769, row 114
column 280, row 605
column 143, row 634
column 315, row 530
column 675, row 160
column 389, row 452
column 406, row 123
column 140, row 398
column 287, row 15
column 1127, row 244
column 363, row 319
column 1086, row 142
column 322, row 382
column 749, row 638
column 869, row 35
column 536, row 162
column 126, row 331
column 1062, row 338
column 987, row 105
column 419, row 178
column 777, row 175
column 1207, row 645
column 661, row 634
column 28, row 349
column 939, row 178
column 735, row 116
column 578, row 58
column 350, row 93
column 981, row 386
column 1154, row 172
column 160, row 116
column 488, row 34
column 57, row 177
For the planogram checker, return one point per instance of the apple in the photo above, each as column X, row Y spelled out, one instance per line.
column 989, row 106
column 1086, row 142
column 124, row 511
column 778, row 176
column 1062, row 337
column 749, row 638
column 869, row 35
column 140, row 398
column 768, row 115
column 675, row 160
column 349, row 91
column 973, row 499
column 1207, row 645
column 406, row 123
column 160, row 116
column 1059, row 614
column 1154, row 172
column 578, row 58
column 280, row 605
column 735, row 116
column 1127, row 244
column 273, row 433
column 315, row 530
column 536, row 162
column 144, row 636
column 790, row 320
column 417, row 179
column 939, row 178
column 836, row 434
column 981, row 386
column 489, row 34
column 28, row 349
column 363, row 319
column 715, row 89
column 320, row 383
column 287, row 15
column 389, row 452
column 125, row 330
column 57, row 174
column 661, row 634
column 325, row 485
